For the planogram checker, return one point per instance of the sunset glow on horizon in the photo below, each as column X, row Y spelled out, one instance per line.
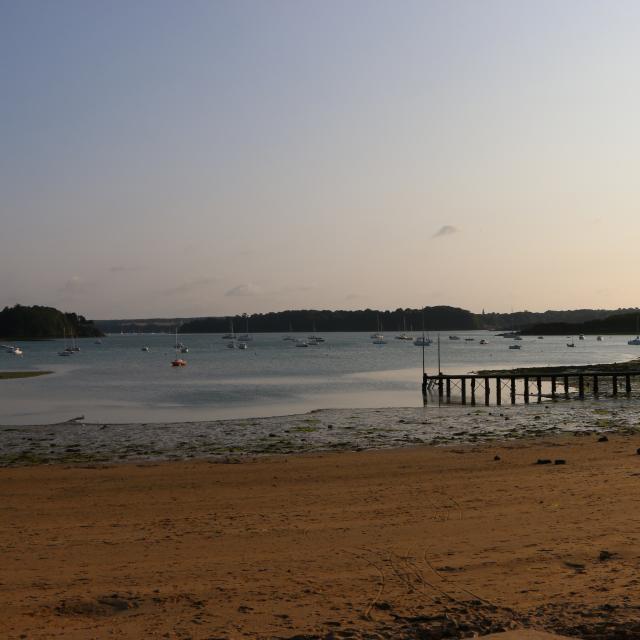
column 214, row 158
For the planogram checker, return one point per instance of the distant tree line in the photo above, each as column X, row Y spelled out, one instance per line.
column 626, row 323
column 524, row 319
column 141, row 325
column 35, row 322
column 307, row 320
column 437, row 318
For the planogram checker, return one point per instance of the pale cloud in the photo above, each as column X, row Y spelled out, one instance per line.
column 75, row 286
column 446, row 230
column 243, row 290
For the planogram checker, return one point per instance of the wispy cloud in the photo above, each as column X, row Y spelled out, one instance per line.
column 353, row 296
column 446, row 230
column 189, row 286
column 243, row 290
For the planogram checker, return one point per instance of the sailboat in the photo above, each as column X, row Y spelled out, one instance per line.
column 178, row 362
column 67, row 351
column 422, row 341
column 16, row 351
column 572, row 343
column 404, row 335
column 232, row 341
column 313, row 339
column 290, row 338
column 636, row 341
column 378, row 337
column 247, row 336
column 230, row 335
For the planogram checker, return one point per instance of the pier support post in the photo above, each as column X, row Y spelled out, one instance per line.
column 539, row 385
column 486, row 391
column 526, row 389
column 595, row 385
column 566, row 387
column 498, row 391
column 424, row 389
column 513, row 389
column 581, row 386
column 614, row 385
column 448, row 389
column 473, row 391
column 627, row 384
column 463, row 385
column 553, row 387
column 440, row 391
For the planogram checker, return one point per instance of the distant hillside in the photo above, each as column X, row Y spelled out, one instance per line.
column 141, row 325
column 307, row 320
column 43, row 322
column 441, row 318
column 523, row 319
column 626, row 323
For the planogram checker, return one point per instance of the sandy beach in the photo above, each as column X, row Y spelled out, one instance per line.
column 394, row 543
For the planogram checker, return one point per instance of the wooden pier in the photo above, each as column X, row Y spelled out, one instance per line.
column 474, row 389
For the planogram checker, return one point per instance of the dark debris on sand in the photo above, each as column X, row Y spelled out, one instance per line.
column 473, row 618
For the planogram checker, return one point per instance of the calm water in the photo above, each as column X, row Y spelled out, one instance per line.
column 117, row 382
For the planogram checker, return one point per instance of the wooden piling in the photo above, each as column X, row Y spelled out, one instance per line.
column 587, row 382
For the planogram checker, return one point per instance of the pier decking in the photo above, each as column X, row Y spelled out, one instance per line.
column 474, row 388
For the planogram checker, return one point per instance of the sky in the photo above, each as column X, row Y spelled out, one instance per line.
column 163, row 159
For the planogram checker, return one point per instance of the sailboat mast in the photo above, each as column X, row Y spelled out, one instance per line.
column 423, row 342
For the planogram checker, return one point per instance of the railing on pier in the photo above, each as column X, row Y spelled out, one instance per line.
column 562, row 385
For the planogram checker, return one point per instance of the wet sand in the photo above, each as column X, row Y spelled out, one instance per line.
column 78, row 442
column 375, row 544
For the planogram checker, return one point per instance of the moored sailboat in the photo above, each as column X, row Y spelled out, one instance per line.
column 636, row 341
column 177, row 361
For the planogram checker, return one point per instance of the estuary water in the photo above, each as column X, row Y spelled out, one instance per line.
column 117, row 382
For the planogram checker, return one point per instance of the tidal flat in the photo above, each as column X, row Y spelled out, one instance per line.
column 13, row 375
column 79, row 442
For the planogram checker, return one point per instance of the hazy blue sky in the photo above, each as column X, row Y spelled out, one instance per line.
column 196, row 158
